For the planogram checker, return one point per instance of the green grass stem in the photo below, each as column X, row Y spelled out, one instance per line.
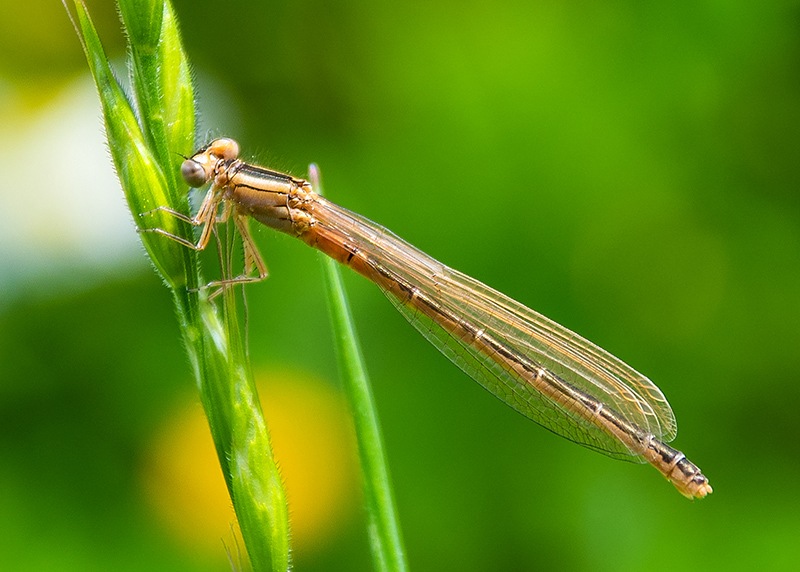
column 146, row 147
column 386, row 543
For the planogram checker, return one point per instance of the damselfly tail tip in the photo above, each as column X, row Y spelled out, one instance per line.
column 695, row 488
column 703, row 490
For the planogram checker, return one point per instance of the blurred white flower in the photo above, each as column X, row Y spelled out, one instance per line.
column 62, row 212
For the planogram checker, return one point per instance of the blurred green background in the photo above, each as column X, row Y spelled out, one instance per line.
column 629, row 170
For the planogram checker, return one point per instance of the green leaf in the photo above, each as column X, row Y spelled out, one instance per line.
column 138, row 168
column 177, row 91
column 142, row 21
column 162, row 83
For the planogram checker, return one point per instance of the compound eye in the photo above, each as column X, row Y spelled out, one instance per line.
column 193, row 173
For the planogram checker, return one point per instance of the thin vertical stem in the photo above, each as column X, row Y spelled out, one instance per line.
column 385, row 537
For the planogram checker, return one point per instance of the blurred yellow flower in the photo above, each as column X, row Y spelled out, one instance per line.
column 313, row 444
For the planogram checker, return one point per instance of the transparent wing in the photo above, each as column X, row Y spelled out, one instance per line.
column 524, row 332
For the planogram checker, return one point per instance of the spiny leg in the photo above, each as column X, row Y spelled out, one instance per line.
column 197, row 219
column 205, row 217
column 252, row 259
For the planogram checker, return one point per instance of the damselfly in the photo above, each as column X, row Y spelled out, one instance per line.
column 539, row 368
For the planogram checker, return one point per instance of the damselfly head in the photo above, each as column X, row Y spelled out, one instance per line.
column 199, row 169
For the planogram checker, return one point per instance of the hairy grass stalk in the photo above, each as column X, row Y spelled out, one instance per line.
column 147, row 136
